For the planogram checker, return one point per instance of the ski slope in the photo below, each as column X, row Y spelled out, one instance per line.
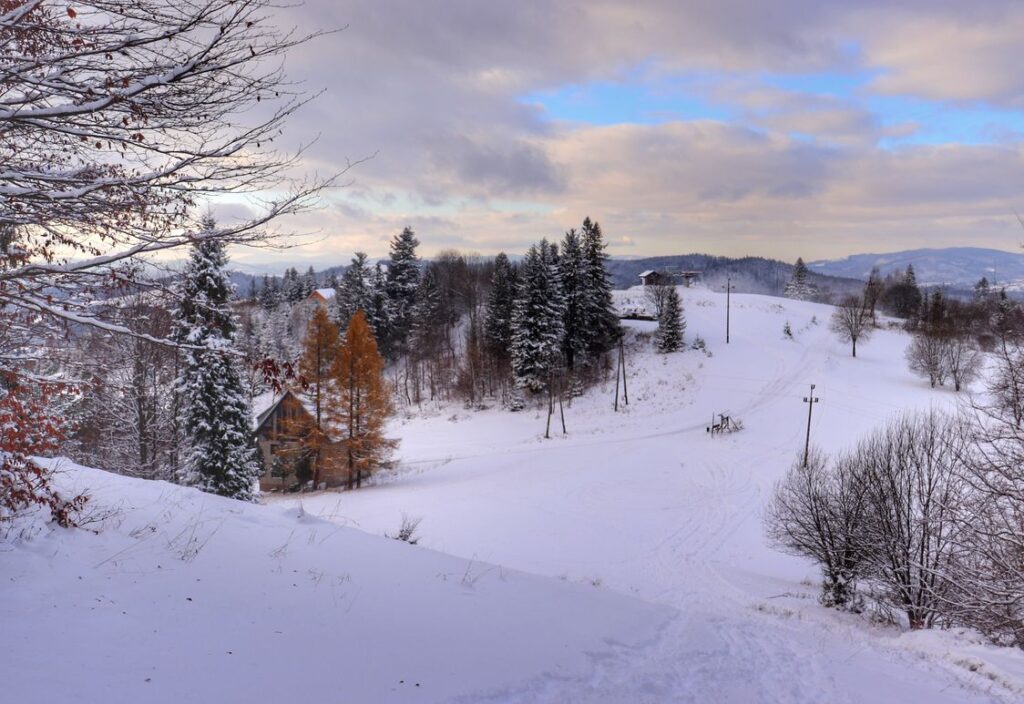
column 644, row 502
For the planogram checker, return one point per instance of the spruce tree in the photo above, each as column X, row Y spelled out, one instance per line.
column 537, row 318
column 500, row 301
column 910, row 276
column 873, row 290
column 904, row 297
column 291, row 286
column 427, row 317
column 277, row 341
column 220, row 455
column 600, row 319
column 354, row 290
column 269, row 293
column 799, row 286
column 576, row 296
column 671, row 324
column 308, row 283
column 402, row 281
column 379, row 314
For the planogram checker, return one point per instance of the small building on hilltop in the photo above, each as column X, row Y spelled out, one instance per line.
column 667, row 278
column 653, row 278
column 284, row 426
column 323, row 296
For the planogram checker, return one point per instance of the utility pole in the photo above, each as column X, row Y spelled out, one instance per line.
column 728, row 306
column 622, row 356
column 620, row 374
column 810, row 401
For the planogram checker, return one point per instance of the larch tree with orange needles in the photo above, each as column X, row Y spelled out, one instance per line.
column 365, row 404
column 319, row 349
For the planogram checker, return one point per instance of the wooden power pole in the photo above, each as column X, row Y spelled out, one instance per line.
column 728, row 306
column 810, row 401
column 620, row 375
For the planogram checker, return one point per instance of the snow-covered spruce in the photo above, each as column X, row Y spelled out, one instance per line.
column 591, row 326
column 219, row 455
column 403, row 278
column 355, row 291
column 500, row 301
column 537, row 318
column 600, row 319
column 669, row 336
column 799, row 287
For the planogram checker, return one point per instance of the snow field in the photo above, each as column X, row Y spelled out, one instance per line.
column 624, row 562
column 184, row 596
column 644, row 502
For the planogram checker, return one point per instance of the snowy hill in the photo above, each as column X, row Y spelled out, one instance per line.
column 958, row 267
column 186, row 597
column 645, row 503
column 653, row 580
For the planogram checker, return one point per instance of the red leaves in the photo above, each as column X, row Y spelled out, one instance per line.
column 275, row 373
column 27, row 429
column 71, row 13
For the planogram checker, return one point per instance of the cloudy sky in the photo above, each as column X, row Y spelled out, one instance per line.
column 816, row 128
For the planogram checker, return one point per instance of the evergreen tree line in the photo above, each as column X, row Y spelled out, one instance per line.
column 290, row 288
column 474, row 328
column 553, row 314
column 455, row 327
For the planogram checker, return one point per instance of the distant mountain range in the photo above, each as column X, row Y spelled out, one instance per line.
column 952, row 267
column 748, row 274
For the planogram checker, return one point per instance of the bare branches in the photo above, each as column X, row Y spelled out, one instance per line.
column 117, row 119
column 852, row 321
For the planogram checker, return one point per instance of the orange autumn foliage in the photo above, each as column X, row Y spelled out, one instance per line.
column 365, row 403
column 319, row 348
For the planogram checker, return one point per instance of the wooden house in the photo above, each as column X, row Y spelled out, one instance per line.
column 667, row 278
column 282, row 430
column 654, row 278
column 323, row 296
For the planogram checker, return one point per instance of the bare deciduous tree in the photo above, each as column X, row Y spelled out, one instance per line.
column 925, row 356
column 117, row 119
column 962, row 360
column 888, row 514
column 816, row 511
column 911, row 471
column 851, row 321
column 990, row 568
column 656, row 295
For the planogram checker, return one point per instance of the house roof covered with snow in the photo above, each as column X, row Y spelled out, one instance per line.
column 324, row 293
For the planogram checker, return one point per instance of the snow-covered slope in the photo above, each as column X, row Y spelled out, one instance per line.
column 645, row 503
column 657, row 583
column 184, row 597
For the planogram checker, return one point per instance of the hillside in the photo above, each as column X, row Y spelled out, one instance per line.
column 180, row 596
column 623, row 562
column 956, row 267
column 645, row 503
column 748, row 274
